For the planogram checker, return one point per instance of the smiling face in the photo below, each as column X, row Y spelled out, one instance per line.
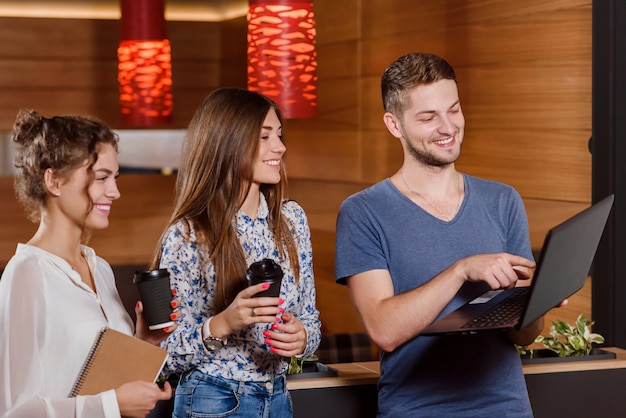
column 268, row 161
column 92, row 211
column 103, row 190
column 431, row 128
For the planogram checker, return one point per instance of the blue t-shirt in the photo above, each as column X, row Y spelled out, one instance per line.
column 455, row 375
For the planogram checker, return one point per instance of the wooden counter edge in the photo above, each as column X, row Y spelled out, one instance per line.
column 574, row 366
column 349, row 374
column 365, row 373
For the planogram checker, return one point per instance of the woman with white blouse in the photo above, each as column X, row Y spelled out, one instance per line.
column 55, row 293
column 230, row 210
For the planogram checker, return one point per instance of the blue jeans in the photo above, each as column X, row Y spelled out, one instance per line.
column 199, row 395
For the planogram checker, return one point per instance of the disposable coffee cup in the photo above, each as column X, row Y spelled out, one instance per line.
column 265, row 271
column 156, row 295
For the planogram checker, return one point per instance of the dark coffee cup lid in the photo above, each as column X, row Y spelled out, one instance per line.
column 265, row 269
column 141, row 275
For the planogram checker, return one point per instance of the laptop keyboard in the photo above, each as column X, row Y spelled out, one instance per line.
column 509, row 309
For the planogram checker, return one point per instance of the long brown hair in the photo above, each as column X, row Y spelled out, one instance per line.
column 215, row 174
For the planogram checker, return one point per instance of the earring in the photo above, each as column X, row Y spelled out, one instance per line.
column 57, row 193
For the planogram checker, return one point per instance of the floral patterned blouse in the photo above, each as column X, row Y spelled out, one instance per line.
column 245, row 357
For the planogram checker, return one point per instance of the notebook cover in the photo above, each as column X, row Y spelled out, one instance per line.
column 117, row 358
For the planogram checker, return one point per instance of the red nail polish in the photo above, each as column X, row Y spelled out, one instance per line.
column 274, row 326
column 281, row 301
column 266, row 333
column 268, row 341
column 173, row 304
column 174, row 292
column 281, row 310
column 273, row 349
column 173, row 316
column 166, row 329
column 266, row 286
column 277, row 319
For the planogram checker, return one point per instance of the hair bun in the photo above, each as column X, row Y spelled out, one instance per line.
column 29, row 124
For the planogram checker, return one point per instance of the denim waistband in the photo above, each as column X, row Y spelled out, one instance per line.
column 269, row 387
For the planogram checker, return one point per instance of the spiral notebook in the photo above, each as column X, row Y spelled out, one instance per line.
column 117, row 358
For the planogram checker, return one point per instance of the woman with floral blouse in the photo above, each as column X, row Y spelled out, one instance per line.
column 230, row 210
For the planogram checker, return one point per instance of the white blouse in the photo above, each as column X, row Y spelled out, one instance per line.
column 49, row 320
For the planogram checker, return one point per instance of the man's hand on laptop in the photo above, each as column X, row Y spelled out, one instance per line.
column 523, row 272
column 499, row 271
column 523, row 275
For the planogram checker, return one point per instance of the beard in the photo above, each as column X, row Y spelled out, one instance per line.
column 430, row 159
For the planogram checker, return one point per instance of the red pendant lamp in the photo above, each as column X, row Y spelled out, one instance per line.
column 145, row 65
column 282, row 61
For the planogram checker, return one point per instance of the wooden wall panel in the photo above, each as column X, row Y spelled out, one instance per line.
column 53, row 102
column 545, row 214
column 329, row 156
column 80, row 39
column 381, row 151
column 398, row 17
column 321, row 201
column 523, row 72
column 14, row 227
column 61, row 66
column 338, row 102
column 65, row 66
column 337, row 60
column 137, row 219
column 233, row 57
column 328, row 148
column 528, row 39
column 337, row 21
column 57, row 73
column 555, row 163
column 333, row 301
column 528, row 96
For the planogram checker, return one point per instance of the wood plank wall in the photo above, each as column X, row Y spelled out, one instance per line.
column 61, row 66
column 524, row 72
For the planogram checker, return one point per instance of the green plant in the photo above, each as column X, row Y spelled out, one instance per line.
column 571, row 340
column 296, row 363
column 524, row 349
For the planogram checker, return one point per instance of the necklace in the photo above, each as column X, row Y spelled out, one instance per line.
column 445, row 216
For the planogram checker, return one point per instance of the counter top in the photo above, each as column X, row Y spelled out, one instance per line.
column 619, row 362
column 351, row 374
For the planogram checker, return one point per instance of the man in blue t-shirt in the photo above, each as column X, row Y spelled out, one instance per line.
column 423, row 242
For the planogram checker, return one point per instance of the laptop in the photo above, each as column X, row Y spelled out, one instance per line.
column 563, row 266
